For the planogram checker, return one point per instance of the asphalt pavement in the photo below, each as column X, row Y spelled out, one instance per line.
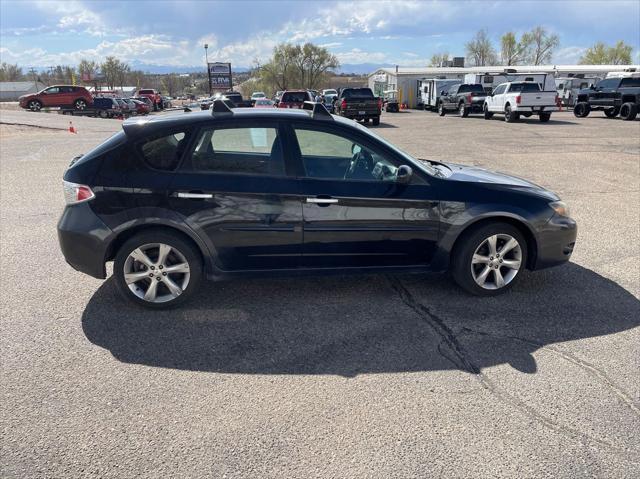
column 376, row 376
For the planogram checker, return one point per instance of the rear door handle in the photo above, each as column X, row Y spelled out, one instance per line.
column 195, row 196
column 322, row 201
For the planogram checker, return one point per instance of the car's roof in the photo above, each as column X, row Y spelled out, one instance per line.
column 143, row 126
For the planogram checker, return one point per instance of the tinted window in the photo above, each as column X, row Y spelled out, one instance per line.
column 357, row 93
column 609, row 83
column 500, row 89
column 51, row 90
column 333, row 156
column 163, row 152
column 471, row 89
column 524, row 87
column 453, row 90
column 630, row 82
column 145, row 92
column 295, row 97
column 247, row 150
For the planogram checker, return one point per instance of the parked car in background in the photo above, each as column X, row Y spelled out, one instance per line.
column 145, row 100
column 329, row 95
column 57, row 96
column 133, row 107
column 107, row 107
column 277, row 96
column 569, row 87
column 521, row 98
column 429, row 90
column 264, row 103
column 141, row 107
column 614, row 95
column 127, row 110
column 166, row 101
column 359, row 104
column 241, row 192
column 390, row 101
column 154, row 96
column 294, row 98
column 464, row 98
column 257, row 95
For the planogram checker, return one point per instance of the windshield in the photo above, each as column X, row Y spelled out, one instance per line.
column 294, row 97
column 423, row 165
column 330, row 92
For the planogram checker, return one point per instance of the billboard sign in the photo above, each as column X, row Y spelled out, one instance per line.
column 220, row 76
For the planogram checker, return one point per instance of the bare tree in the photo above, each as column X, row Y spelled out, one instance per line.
column 542, row 45
column 438, row 59
column 10, row 72
column 480, row 50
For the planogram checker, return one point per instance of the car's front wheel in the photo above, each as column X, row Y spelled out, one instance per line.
column 80, row 104
column 35, row 105
column 157, row 269
column 488, row 260
column 441, row 110
column 612, row 112
column 582, row 109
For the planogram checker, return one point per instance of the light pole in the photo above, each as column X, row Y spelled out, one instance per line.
column 206, row 55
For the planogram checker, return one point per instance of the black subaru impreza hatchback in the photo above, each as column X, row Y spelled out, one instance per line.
column 229, row 192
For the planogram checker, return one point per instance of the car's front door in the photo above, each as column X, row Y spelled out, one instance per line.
column 233, row 189
column 51, row 96
column 355, row 214
column 605, row 90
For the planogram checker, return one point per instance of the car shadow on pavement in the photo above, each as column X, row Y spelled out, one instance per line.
column 350, row 325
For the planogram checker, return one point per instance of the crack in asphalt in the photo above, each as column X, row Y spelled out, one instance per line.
column 464, row 362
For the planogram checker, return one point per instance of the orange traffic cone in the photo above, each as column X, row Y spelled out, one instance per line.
column 72, row 129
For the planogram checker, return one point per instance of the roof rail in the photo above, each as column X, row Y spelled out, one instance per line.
column 318, row 110
column 221, row 107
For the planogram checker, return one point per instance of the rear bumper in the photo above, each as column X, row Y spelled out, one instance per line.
column 556, row 242
column 536, row 109
column 83, row 239
column 356, row 115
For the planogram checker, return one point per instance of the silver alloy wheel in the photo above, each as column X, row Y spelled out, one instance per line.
column 81, row 104
column 34, row 105
column 496, row 261
column 156, row 272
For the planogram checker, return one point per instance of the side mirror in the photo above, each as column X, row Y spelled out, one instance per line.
column 404, row 174
column 443, row 92
column 592, row 87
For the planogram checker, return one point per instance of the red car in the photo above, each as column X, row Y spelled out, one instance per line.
column 69, row 96
column 141, row 107
column 154, row 96
column 294, row 98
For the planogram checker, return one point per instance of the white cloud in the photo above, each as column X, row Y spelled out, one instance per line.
column 568, row 55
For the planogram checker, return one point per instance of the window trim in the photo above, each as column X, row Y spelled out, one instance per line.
column 185, row 165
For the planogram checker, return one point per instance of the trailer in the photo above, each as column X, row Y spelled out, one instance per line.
column 568, row 87
column 429, row 90
column 490, row 80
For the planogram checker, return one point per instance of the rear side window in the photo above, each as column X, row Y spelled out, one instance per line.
column 255, row 150
column 163, row 152
column 295, row 97
column 630, row 82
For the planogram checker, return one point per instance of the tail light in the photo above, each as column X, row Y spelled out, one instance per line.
column 470, row 98
column 281, row 105
column 558, row 102
column 379, row 103
column 75, row 193
column 343, row 105
column 518, row 99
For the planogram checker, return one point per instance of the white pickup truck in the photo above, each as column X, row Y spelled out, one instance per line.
column 524, row 98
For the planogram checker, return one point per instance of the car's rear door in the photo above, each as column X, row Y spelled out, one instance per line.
column 353, row 215
column 234, row 190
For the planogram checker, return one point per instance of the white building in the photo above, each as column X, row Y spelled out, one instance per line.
column 11, row 90
column 405, row 80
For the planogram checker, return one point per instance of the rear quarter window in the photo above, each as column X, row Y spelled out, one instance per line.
column 163, row 152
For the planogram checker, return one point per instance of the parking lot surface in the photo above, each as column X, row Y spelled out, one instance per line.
column 338, row 376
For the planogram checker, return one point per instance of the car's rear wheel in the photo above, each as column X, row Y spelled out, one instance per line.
column 582, row 109
column 612, row 112
column 509, row 115
column 157, row 269
column 35, row 105
column 544, row 117
column 80, row 104
column 376, row 121
column 463, row 111
column 488, row 260
column 628, row 111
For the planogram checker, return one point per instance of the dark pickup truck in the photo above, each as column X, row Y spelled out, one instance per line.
column 358, row 104
column 464, row 98
column 612, row 95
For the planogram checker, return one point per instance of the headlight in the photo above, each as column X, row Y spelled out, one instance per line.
column 560, row 208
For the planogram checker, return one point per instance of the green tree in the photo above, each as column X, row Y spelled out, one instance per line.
column 541, row 45
column 601, row 54
column 114, row 72
column 480, row 49
column 438, row 59
column 512, row 51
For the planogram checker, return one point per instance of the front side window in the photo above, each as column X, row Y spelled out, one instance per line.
column 333, row 156
column 52, row 90
column 500, row 89
column 163, row 152
column 609, row 83
column 244, row 150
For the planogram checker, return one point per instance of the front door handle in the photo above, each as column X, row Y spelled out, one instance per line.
column 322, row 201
column 195, row 196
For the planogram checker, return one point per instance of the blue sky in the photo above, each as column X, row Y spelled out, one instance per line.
column 43, row 33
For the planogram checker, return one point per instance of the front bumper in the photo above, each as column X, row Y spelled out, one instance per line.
column 84, row 239
column 556, row 242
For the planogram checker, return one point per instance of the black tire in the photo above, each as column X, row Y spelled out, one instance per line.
column 103, row 113
column 376, row 121
column 441, row 110
column 366, row 120
column 510, row 116
column 544, row 117
column 462, row 256
column 35, row 105
column 582, row 109
column 80, row 104
column 487, row 114
column 612, row 112
column 628, row 111
column 177, row 242
column 463, row 111
column 155, row 107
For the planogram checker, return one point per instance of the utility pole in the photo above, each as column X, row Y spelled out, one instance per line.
column 206, row 55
